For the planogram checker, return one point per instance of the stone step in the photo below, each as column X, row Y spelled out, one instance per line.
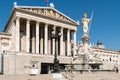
column 76, row 76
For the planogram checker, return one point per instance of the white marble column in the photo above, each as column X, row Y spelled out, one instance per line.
column 28, row 36
column 74, row 50
column 68, row 42
column 46, row 39
column 1, row 46
column 49, row 41
column 17, row 34
column 61, row 42
column 37, row 37
column 33, row 39
column 41, row 40
column 53, row 42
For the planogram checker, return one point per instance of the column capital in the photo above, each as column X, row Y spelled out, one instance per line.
column 75, row 30
column 37, row 22
column 18, row 17
column 54, row 25
column 68, row 29
column 61, row 27
column 28, row 20
column 46, row 25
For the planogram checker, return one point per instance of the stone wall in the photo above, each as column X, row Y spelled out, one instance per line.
column 21, row 63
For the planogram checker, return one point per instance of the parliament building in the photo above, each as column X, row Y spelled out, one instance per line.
column 26, row 41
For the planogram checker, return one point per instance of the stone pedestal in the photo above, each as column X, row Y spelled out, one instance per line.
column 34, row 71
column 85, row 39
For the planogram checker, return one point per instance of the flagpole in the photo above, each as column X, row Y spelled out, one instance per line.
column 46, row 1
column 47, row 4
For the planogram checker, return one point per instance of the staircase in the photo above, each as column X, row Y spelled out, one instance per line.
column 66, row 76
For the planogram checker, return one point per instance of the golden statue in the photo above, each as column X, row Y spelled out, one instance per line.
column 85, row 22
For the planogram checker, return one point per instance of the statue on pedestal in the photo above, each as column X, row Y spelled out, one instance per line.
column 85, row 22
column 85, row 36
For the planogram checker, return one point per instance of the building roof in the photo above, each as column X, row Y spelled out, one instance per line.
column 7, row 34
column 105, row 49
column 49, row 12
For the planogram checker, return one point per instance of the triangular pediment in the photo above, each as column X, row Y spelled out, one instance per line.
column 49, row 12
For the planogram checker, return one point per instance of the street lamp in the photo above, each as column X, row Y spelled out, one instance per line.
column 56, row 35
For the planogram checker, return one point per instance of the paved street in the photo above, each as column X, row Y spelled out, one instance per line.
column 76, row 76
column 98, row 76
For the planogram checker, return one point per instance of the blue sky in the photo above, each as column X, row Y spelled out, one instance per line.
column 105, row 25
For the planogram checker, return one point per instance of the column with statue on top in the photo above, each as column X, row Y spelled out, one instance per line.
column 85, row 36
column 90, row 58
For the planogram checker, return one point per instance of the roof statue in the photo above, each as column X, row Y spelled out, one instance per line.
column 15, row 4
column 52, row 5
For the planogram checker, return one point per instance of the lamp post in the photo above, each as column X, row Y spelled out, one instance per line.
column 56, row 35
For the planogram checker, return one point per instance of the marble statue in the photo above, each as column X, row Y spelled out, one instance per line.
column 85, row 22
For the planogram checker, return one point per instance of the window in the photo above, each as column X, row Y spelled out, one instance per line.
column 107, row 55
column 103, row 60
column 110, row 59
column 4, row 48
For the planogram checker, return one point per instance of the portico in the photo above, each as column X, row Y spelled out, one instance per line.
column 33, row 27
column 35, row 37
column 31, row 39
column 27, row 45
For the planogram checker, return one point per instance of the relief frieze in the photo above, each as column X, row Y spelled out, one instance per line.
column 49, row 12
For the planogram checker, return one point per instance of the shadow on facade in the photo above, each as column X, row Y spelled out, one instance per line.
column 47, row 68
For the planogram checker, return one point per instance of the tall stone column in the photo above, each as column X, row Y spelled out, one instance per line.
column 41, row 40
column 68, row 43
column 17, row 34
column 33, row 40
column 46, row 39
column 37, row 37
column 61, row 42
column 53, row 42
column 1, row 46
column 85, row 36
column 49, row 41
column 74, row 48
column 28, row 36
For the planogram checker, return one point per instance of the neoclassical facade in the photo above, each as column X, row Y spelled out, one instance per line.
column 26, row 42
column 29, row 30
column 110, row 59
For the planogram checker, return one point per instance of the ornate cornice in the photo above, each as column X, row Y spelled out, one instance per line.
column 7, row 34
column 49, row 13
